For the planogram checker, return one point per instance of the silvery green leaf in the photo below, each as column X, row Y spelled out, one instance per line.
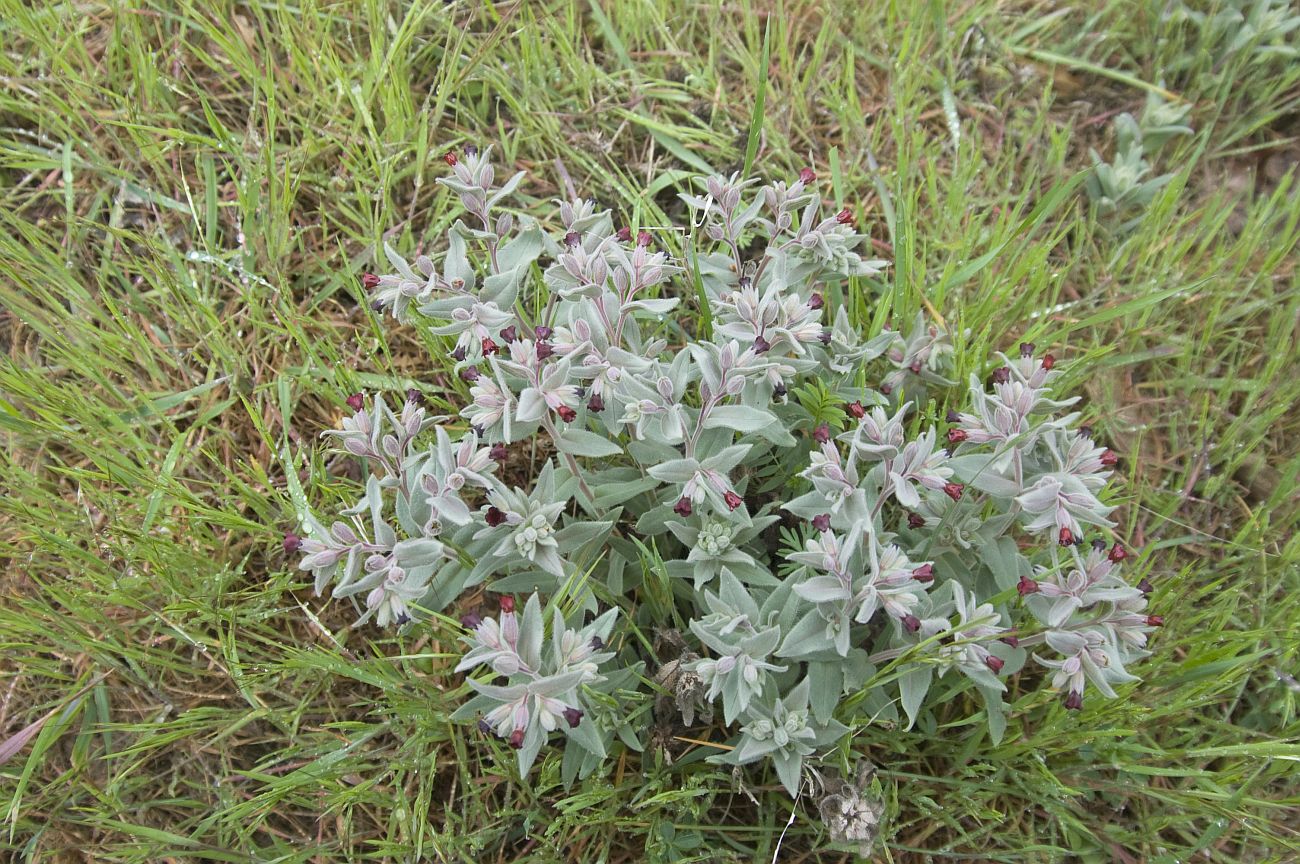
column 456, row 265
column 580, row 442
column 826, row 684
column 530, row 633
column 789, row 767
column 912, row 687
column 674, row 471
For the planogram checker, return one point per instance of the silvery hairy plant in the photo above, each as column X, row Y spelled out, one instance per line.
column 759, row 480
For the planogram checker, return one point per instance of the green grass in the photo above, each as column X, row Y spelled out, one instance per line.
column 189, row 191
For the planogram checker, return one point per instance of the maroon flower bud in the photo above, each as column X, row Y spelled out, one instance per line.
column 542, row 331
column 573, row 238
column 854, row 409
column 682, row 507
column 1117, row 554
column 733, row 500
column 484, row 726
column 915, row 520
column 471, row 150
column 924, row 573
column 1027, row 349
column 952, row 416
column 495, row 516
column 1074, row 701
column 744, row 282
column 489, row 347
column 470, row 374
column 458, row 353
column 806, row 176
column 761, row 345
column 567, row 414
column 377, row 306
column 597, row 643
column 1099, row 545
column 544, row 350
column 507, row 602
column 1010, row 640
column 356, row 401
column 915, row 367
column 825, row 337
column 624, row 234
column 517, row 739
column 1145, row 586
column 478, row 429
column 595, row 404
column 450, row 158
column 1048, row 361
column 1155, row 621
column 415, row 397
column 471, row 620
column 956, row 436
column 1001, row 376
column 994, row 662
column 1026, row 586
column 844, row 217
column 573, row 717
column 509, row 334
column 369, row 281
column 886, row 389
column 822, row 522
column 1108, row 458
column 779, row 391
column 911, row 623
column 953, row 490
column 816, row 301
column 822, row 434
column 643, row 238
column 498, row 453
column 1067, row 537
column 292, row 543
column 1085, row 431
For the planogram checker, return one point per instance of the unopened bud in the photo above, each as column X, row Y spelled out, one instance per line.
column 911, row 623
column 356, row 401
column 822, row 522
column 844, row 217
column 1026, row 586
column 369, row 281
column 994, row 662
column 855, row 410
column 806, row 176
column 1108, row 458
column 450, row 158
column 643, row 238
column 822, row 434
column 1048, row 361
column 292, row 543
column 924, row 573
column 682, row 507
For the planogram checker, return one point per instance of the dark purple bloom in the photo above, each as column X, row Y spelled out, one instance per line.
column 856, row 410
column 1117, row 554
column 507, row 602
column 573, row 238
column 498, row 453
column 816, row 301
column 495, row 516
column 458, row 353
column 1002, row 375
column 470, row 374
column 822, row 522
column 567, row 414
column 292, row 543
column 517, row 739
column 911, row 623
column 924, row 573
column 544, row 350
column 509, row 334
column 471, row 620
column 844, row 217
column 541, row 331
column 1026, row 349
column 733, row 500
column 356, row 401
column 624, row 234
column 994, row 662
column 806, row 176
column 489, row 347
column 643, row 238
column 826, row 336
column 915, row 520
column 953, row 490
column 1145, row 586
column 573, row 717
column 369, row 281
column 761, row 345
column 1074, row 701
column 1026, row 586
column 956, row 436
column 595, row 404
column 682, row 507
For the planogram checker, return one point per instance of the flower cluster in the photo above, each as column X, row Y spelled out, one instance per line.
column 829, row 539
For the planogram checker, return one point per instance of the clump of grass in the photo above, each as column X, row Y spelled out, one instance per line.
column 189, row 193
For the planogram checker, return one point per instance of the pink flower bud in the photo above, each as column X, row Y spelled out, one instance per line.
column 624, row 234
column 517, row 739
column 682, row 507
column 1155, row 621
column 822, row 434
column 911, row 623
column 292, row 543
column 822, row 522
column 856, row 410
column 356, row 401
column 507, row 602
column 844, row 217
column 489, row 347
column 567, row 414
column 450, row 158
column 1026, row 586
column 924, row 573
column 1048, row 361
column 1108, row 458
column 369, row 281
column 956, row 436
column 994, row 662
column 1066, row 537
column 1010, row 640
column 643, row 238
column 953, row 490
column 733, row 500
column 806, row 176
column 1117, row 554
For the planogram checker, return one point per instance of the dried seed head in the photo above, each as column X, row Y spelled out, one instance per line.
column 356, row 401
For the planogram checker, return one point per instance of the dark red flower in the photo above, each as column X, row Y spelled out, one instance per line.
column 356, row 401
column 507, row 602
column 643, row 238
column 595, row 404
column 822, row 434
column 953, row 490
column 369, row 281
column 994, row 663
column 1026, row 586
column 517, row 739
column 682, row 507
column 509, row 334
column 597, row 643
column 915, row 520
column 1048, row 361
column 761, row 345
column 624, row 234
column 1117, row 554
column 292, row 543
column 544, row 350
column 911, row 623
column 489, row 347
column 822, row 522
column 1074, row 701
column 956, row 436
column 450, row 158
column 1067, row 537
column 573, row 717
column 733, row 500
column 844, row 217
column 541, row 331
column 924, row 573
column 915, row 367
column 498, row 453
column 567, row 414
column 1145, row 586
column 471, row 620
column 816, row 301
column 1108, row 458
column 1155, row 621
column 806, row 176
column 1002, row 375
column 1010, row 640
column 855, row 409
column 495, row 516
column 573, row 238
column 470, row 374
column 886, row 389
